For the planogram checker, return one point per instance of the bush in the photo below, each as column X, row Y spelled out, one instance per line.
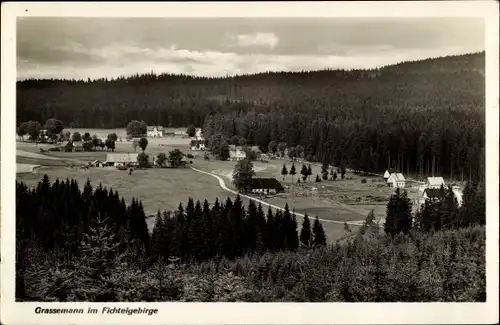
column 363, row 180
column 190, row 156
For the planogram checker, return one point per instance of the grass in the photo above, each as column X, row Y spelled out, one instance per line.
column 164, row 189
column 160, row 189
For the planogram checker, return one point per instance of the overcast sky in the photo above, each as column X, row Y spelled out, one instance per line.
column 109, row 47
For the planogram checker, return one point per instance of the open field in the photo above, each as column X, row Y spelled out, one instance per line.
column 340, row 200
column 158, row 189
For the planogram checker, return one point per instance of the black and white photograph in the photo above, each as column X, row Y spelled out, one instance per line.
column 249, row 159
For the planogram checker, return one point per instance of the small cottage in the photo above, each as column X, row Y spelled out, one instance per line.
column 77, row 146
column 236, row 153
column 396, row 180
column 388, row 173
column 121, row 159
column 265, row 186
column 197, row 145
column 155, row 131
column 434, row 182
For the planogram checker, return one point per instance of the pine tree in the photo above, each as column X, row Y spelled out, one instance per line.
column 305, row 233
column 95, row 267
column 270, row 234
column 293, row 171
column 324, row 171
column 284, row 172
column 399, row 217
column 319, row 237
column 303, row 172
column 309, row 171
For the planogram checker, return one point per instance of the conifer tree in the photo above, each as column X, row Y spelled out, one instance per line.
column 284, row 172
column 292, row 171
column 399, row 217
column 270, row 228
column 309, row 171
column 305, row 233
column 319, row 237
column 303, row 172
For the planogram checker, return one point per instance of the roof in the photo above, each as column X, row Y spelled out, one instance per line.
column 433, row 192
column 266, row 183
column 122, row 157
column 150, row 128
column 396, row 177
column 232, row 147
column 392, row 170
column 435, row 181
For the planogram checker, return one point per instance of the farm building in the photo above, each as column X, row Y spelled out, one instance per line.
column 236, row 153
column 180, row 134
column 121, row 159
column 96, row 163
column 155, row 131
column 198, row 144
column 388, row 173
column 77, row 146
column 266, row 186
column 435, row 182
column 430, row 193
column 396, row 180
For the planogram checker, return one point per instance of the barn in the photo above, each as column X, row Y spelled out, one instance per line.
column 121, row 159
column 265, row 186
column 396, row 180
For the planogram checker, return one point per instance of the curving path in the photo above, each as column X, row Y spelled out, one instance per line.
column 222, row 184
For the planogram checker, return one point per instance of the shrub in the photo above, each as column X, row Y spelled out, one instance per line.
column 363, row 180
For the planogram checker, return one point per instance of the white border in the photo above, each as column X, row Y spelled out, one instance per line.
column 248, row 313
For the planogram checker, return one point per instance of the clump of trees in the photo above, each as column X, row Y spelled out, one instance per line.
column 228, row 252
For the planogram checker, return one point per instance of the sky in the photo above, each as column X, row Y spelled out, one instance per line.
column 61, row 47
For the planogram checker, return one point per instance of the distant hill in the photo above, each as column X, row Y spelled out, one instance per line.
column 179, row 100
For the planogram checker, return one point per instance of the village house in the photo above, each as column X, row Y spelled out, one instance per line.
column 180, row 134
column 434, row 182
column 265, row 186
column 236, row 153
column 96, row 163
column 197, row 145
column 155, row 131
column 388, row 173
column 396, row 180
column 169, row 134
column 77, row 146
column 121, row 159
column 430, row 193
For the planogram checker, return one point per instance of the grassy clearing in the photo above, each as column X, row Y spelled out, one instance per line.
column 164, row 189
column 160, row 189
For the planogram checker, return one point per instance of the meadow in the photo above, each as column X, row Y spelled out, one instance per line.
column 163, row 189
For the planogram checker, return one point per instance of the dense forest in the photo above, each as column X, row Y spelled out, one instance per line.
column 89, row 245
column 424, row 117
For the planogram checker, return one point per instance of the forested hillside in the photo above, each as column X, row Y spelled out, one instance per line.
column 90, row 245
column 423, row 117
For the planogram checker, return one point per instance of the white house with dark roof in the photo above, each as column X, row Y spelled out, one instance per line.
column 155, row 131
column 121, row 159
column 236, row 153
column 388, row 173
column 396, row 180
column 434, row 182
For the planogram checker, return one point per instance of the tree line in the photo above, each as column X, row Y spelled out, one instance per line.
column 57, row 217
column 422, row 117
